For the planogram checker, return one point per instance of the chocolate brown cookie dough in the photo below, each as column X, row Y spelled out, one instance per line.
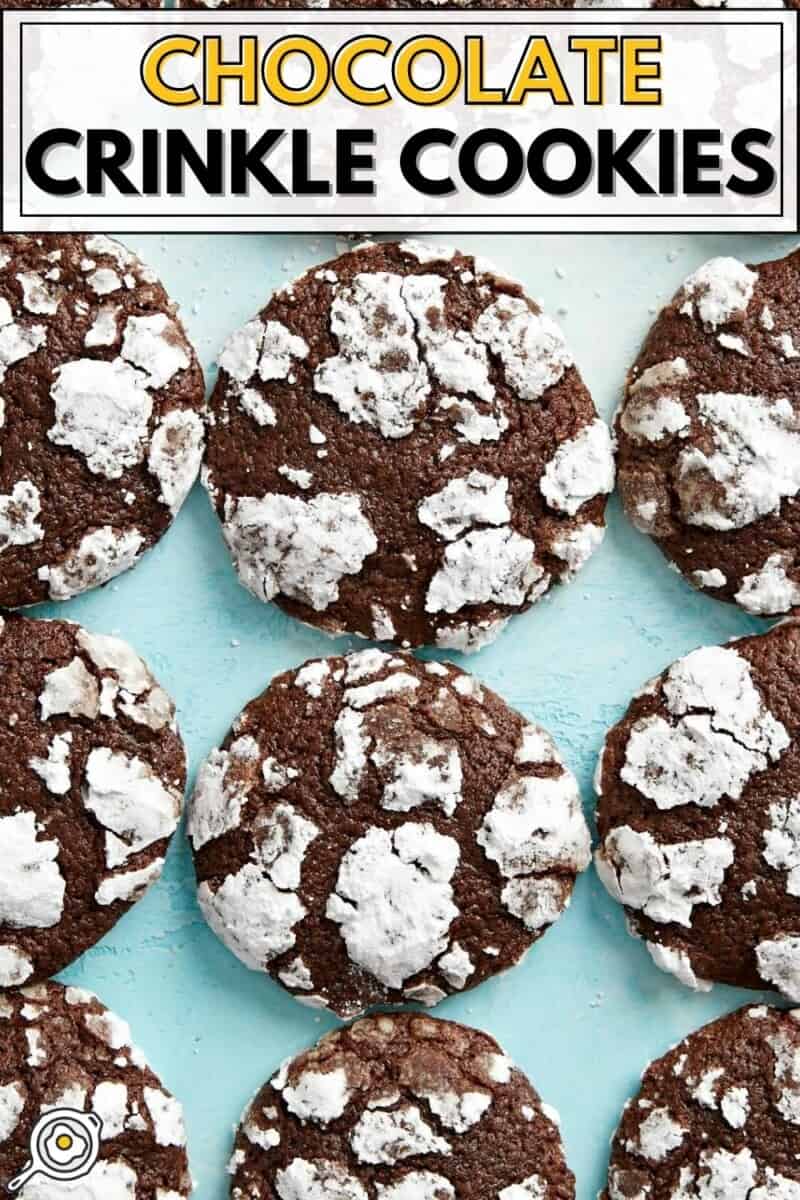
column 400, row 446
column 709, row 433
column 376, row 829
column 100, row 420
column 400, row 1108
column 93, row 773
column 718, row 1117
column 699, row 814
column 61, row 1048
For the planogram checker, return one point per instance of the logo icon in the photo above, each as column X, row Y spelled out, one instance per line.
column 64, row 1145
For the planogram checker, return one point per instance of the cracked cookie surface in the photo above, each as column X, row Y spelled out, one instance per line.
column 709, row 433
column 376, row 829
column 717, row 1117
column 699, row 814
column 93, row 773
column 101, row 433
column 61, row 1048
column 400, row 1108
column 400, row 446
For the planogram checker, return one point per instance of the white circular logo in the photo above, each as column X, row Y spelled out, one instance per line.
column 64, row 1145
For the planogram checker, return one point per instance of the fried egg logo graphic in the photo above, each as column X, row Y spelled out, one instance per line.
column 64, row 1146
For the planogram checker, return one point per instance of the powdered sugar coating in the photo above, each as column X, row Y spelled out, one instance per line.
column 463, row 391
column 94, row 773
column 399, row 1108
column 698, row 814
column 100, row 390
column 65, row 1050
column 348, row 870
column 715, row 1116
column 708, row 429
column 303, row 548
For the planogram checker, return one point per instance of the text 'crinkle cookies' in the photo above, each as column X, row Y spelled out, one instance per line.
column 61, row 1049
column 101, row 433
column 709, row 433
column 717, row 1118
column 699, row 814
column 400, row 1108
column 93, row 773
column 400, row 446
column 377, row 829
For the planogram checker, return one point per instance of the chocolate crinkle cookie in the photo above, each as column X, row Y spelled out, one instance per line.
column 93, row 772
column 699, row 814
column 378, row 829
column 709, row 433
column 101, row 431
column 400, row 1108
column 60, row 1048
column 401, row 447
column 717, row 1118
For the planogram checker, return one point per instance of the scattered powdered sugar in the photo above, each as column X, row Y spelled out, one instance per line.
column 707, row 754
column 389, row 1137
column 454, row 357
column 665, row 882
column 128, row 885
column 779, row 964
column 15, row 967
column 103, row 331
column 281, row 840
column 417, row 1185
column 312, row 677
column 130, row 801
column 426, row 772
column 486, row 565
column 394, row 900
column 755, row 462
column 374, row 328
column 319, row 1096
column 532, row 1188
column 100, row 557
column 709, row 579
column 769, row 590
column 102, row 410
column 223, row 784
column 279, row 348
column 719, row 290
column 581, row 468
column 677, row 963
column 476, row 499
column 176, row 450
column 72, row 690
column 153, row 343
column 18, row 516
column 54, row 770
column 469, row 638
column 782, row 842
column 530, row 345
column 578, row 545
column 659, row 1135
column 456, row 966
column 318, row 1180
column 31, row 884
column 253, row 917
column 299, row 547
column 12, row 1101
column 787, row 1074
column 536, row 824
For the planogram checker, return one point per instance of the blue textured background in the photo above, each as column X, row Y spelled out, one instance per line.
column 588, row 1009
